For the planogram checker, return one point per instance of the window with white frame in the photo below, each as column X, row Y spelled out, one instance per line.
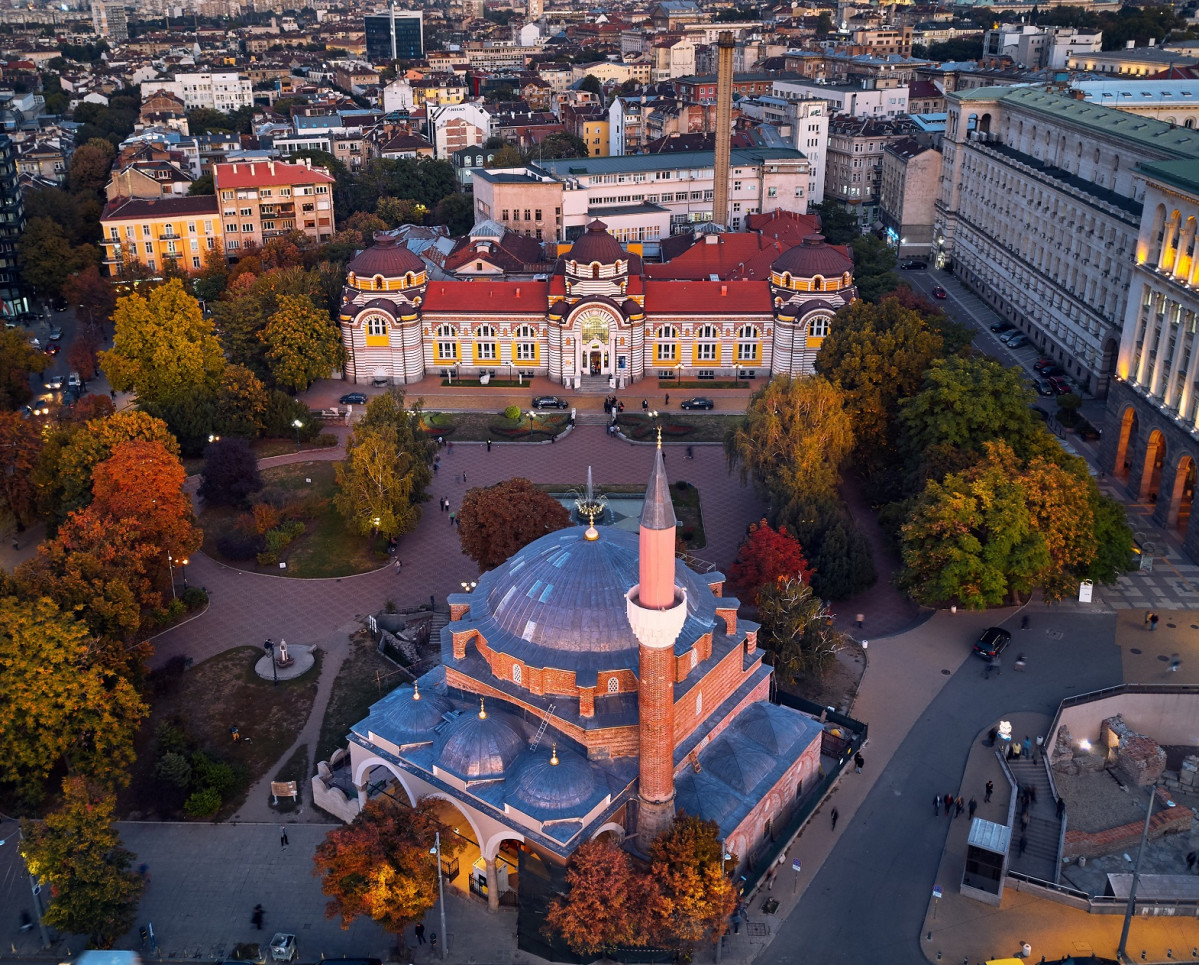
column 705, row 347
column 667, row 343
column 485, row 347
column 526, row 343
column 376, row 325
column 613, row 685
column 747, row 343
column 818, row 326
column 447, row 342
column 516, row 673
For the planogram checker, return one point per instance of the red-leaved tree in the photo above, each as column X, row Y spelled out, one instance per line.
column 766, row 556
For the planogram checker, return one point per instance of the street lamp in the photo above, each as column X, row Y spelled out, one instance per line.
column 269, row 647
column 171, row 567
column 213, row 438
column 183, row 563
column 436, row 850
column 678, row 376
column 299, row 425
column 467, row 587
column 531, row 415
column 35, row 891
column 1122, row 951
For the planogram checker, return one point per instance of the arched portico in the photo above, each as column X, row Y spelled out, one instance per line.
column 1151, row 467
column 1182, row 494
column 1122, row 466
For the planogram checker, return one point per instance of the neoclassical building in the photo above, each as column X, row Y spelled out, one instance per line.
column 596, row 317
column 591, row 684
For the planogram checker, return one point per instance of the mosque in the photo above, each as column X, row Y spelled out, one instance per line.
column 741, row 305
column 593, row 684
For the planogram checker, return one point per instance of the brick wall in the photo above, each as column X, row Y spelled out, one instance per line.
column 1126, row 837
column 655, row 704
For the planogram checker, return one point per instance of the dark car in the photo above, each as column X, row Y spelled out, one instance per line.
column 698, row 403
column 52, row 349
column 992, row 642
column 914, row 265
column 1042, row 387
column 1000, row 327
column 1060, row 386
column 940, row 292
column 1087, row 432
column 353, row 398
column 1018, row 341
column 1052, row 371
column 1042, row 363
column 550, row 402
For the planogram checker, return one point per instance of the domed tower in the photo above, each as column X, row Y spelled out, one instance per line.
column 808, row 284
column 596, row 311
column 380, row 313
column 657, row 609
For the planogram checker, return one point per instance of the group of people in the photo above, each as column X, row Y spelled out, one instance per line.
column 612, row 405
column 954, row 806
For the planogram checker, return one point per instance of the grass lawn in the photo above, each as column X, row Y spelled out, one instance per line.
column 481, row 426
column 326, row 548
column 365, row 676
column 679, row 427
column 205, row 702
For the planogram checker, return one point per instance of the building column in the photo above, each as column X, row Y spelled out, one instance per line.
column 1170, row 389
column 493, row 885
column 363, row 796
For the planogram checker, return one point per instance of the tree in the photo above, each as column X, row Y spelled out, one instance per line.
column 507, row 156
column 608, row 903
column 93, row 294
column 230, row 473
column 695, row 898
column 377, row 484
column 766, row 556
column 20, row 446
column 303, row 344
column 496, row 521
column 47, row 258
column 91, row 167
column 241, row 402
column 379, row 865
column 83, row 354
column 163, row 347
column 397, row 211
column 591, row 83
column 204, row 184
column 77, row 852
column 57, row 705
column 18, row 360
column 455, row 211
column 1113, row 539
column 563, row 144
column 838, row 224
column 1059, row 501
column 248, row 303
column 795, row 436
column 873, row 268
column 797, row 630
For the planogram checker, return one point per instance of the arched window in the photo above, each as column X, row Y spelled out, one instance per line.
column 787, row 280
column 705, row 346
column 516, row 673
column 595, row 269
column 409, row 280
column 694, row 657
column 526, row 344
column 447, row 343
column 613, row 685
column 699, row 703
column 817, row 284
column 376, row 325
column 818, row 326
column 594, row 328
column 666, row 347
column 378, row 283
column 485, row 346
column 747, row 343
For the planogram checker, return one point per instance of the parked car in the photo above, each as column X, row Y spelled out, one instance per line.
column 55, row 333
column 550, row 402
column 1042, row 387
column 992, row 642
column 1041, row 363
column 1087, row 432
column 940, row 292
column 74, row 381
column 1008, row 336
column 699, row 402
column 1060, row 386
column 353, row 398
column 999, row 327
column 914, row 264
column 1052, row 371
column 1018, row 341
column 10, row 323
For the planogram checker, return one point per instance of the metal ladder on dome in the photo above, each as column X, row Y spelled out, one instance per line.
column 545, row 722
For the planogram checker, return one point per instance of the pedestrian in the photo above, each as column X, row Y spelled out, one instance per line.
column 1153, row 622
column 440, row 441
column 1016, row 749
column 861, row 618
column 256, row 918
column 1191, row 858
column 449, row 445
column 1024, row 622
column 420, row 932
column 436, row 466
column 1026, row 747
column 937, row 806
column 667, row 402
column 959, row 806
column 489, row 445
column 1061, row 808
column 990, row 789
column 283, row 835
column 645, row 405
column 464, row 477
column 1148, row 616
column 1023, row 843
column 398, row 565
column 453, row 518
column 991, row 737
column 433, row 940
column 971, row 808
column 1175, row 664
column 834, row 816
column 948, row 799
column 1025, row 819
column 858, row 761
column 1032, row 793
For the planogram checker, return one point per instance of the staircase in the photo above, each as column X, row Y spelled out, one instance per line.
column 586, row 418
column 594, row 385
column 1040, row 858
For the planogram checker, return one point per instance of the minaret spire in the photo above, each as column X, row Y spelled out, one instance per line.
column 657, row 538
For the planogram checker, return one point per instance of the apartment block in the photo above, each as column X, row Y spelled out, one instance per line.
column 260, row 200
column 154, row 231
column 218, row 90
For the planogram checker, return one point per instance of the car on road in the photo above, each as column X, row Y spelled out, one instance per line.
column 1060, row 386
column 699, row 402
column 1042, row 387
column 54, row 382
column 1052, row 371
column 353, row 398
column 1041, row 363
column 52, row 349
column 550, row 402
column 74, row 381
column 1000, row 327
column 915, row 264
column 1018, row 341
column 55, row 333
column 992, row 642
column 940, row 292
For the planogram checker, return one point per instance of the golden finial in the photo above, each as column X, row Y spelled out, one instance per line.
column 659, row 438
column 591, row 533
column 554, row 755
column 482, row 712
column 415, row 690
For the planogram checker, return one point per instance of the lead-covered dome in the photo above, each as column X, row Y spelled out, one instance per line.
column 597, row 245
column 386, row 257
column 407, row 714
column 480, row 746
column 552, row 781
column 813, row 257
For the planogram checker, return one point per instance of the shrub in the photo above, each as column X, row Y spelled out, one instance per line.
column 194, row 598
column 326, row 440
column 277, row 540
column 211, row 773
column 173, row 769
column 266, row 518
column 230, row 473
column 512, row 413
column 688, row 533
column 203, row 804
column 682, row 485
column 239, row 546
column 171, row 738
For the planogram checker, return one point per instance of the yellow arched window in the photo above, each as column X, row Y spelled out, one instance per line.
column 445, row 345
column 379, row 283
column 524, row 349
column 666, row 345
column 748, row 343
column 486, row 349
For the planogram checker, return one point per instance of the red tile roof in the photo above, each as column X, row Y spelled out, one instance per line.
column 260, row 174
column 200, row 205
column 706, row 297
column 484, row 297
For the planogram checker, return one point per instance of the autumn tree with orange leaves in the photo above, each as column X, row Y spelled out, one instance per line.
column 379, row 865
column 766, row 556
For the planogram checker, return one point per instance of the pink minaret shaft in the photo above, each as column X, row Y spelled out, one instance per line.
column 657, row 540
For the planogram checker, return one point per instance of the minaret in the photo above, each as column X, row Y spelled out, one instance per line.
column 656, row 609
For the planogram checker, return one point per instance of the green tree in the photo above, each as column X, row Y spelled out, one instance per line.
column 797, row 630
column 204, row 184
column 57, row 704
column 397, row 211
column 496, row 521
column 383, row 479
column 838, row 224
column 163, row 347
column 303, row 344
column 873, row 268
column 507, row 156
column 250, row 300
column 241, row 403
column 563, row 145
column 91, row 167
column 455, row 211
column 18, row 360
column 592, row 84
column 47, row 258
column 378, row 866
column 1113, row 539
column 77, row 852
column 794, row 439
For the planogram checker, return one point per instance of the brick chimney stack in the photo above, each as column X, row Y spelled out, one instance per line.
column 724, row 126
column 656, row 610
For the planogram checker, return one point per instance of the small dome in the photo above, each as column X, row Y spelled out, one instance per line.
column 558, row 309
column 480, row 746
column 597, row 245
column 631, row 309
column 408, row 715
column 771, row 728
column 704, row 796
column 540, row 785
column 813, row 257
column 385, row 257
column 738, row 762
